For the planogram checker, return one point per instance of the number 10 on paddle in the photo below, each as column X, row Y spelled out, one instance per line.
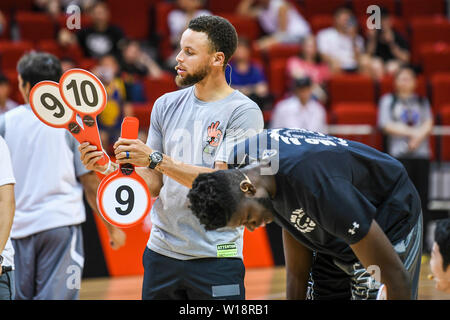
column 123, row 198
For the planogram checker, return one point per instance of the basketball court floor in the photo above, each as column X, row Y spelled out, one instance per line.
column 260, row 283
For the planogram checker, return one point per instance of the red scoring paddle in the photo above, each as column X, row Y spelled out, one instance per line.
column 123, row 198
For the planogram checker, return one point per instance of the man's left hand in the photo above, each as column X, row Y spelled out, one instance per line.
column 138, row 152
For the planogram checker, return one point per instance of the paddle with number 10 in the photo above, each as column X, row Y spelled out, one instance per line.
column 79, row 95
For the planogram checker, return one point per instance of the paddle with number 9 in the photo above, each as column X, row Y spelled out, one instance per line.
column 123, row 198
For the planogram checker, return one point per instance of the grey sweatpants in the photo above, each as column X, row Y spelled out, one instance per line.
column 49, row 264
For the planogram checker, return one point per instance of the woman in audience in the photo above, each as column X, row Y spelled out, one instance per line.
column 309, row 63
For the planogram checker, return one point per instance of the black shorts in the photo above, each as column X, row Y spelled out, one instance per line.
column 197, row 279
column 334, row 280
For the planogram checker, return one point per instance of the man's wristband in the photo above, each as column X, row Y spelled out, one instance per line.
column 106, row 170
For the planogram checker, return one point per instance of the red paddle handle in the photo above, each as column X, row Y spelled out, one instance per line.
column 130, row 128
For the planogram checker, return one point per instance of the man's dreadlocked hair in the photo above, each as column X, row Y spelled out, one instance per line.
column 215, row 196
column 442, row 238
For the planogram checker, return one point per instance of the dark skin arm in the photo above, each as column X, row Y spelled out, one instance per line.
column 298, row 260
column 375, row 249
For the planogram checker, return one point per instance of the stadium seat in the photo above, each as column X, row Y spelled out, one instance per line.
column 416, row 8
column 320, row 21
column 428, row 31
column 386, row 86
column 435, row 58
column 245, row 26
column 154, row 88
column 10, row 53
column 355, row 113
column 440, row 91
column 284, row 51
column 35, row 26
column 314, row 7
column 360, row 6
column 277, row 78
column 125, row 14
column 74, row 52
column 162, row 28
column 15, row 5
column 220, row 7
column 351, row 88
column 358, row 114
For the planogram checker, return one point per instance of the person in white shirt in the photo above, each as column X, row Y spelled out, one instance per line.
column 300, row 110
column 7, row 206
column 341, row 45
column 279, row 19
column 50, row 178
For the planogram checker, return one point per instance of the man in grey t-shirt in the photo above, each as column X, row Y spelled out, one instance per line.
column 192, row 131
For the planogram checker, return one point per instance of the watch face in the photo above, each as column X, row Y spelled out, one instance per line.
column 156, row 157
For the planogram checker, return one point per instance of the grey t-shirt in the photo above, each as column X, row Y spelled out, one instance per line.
column 198, row 133
column 413, row 112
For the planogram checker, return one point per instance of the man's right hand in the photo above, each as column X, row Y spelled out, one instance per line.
column 90, row 155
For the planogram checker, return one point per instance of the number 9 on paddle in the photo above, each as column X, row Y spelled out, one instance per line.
column 123, row 198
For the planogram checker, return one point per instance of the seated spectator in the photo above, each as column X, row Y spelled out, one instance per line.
column 279, row 19
column 99, row 39
column 178, row 20
column 407, row 121
column 340, row 45
column 247, row 76
column 6, row 103
column 300, row 110
column 387, row 48
column 309, row 63
column 110, row 120
column 135, row 65
column 440, row 255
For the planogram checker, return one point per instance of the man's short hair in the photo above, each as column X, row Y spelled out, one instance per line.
column 442, row 238
column 215, row 196
column 221, row 34
column 34, row 67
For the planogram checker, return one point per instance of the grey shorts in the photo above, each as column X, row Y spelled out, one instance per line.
column 7, row 289
column 49, row 264
column 334, row 280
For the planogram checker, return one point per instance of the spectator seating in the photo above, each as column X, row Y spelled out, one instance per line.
column 417, row 8
column 440, row 91
column 132, row 17
column 351, row 88
column 10, row 53
column 313, row 7
column 360, row 113
column 35, row 26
